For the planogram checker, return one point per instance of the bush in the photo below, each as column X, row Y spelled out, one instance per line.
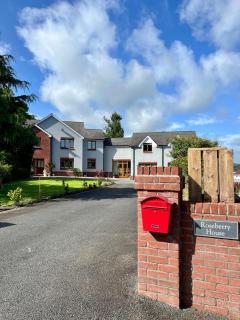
column 77, row 172
column 99, row 183
column 85, row 185
column 5, row 170
column 15, row 195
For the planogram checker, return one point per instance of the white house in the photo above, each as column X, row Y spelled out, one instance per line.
column 68, row 145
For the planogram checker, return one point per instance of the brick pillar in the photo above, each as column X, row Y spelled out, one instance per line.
column 210, row 267
column 158, row 255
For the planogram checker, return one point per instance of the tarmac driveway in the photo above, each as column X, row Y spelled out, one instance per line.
column 75, row 258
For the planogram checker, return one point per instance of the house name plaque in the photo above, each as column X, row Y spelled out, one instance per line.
column 216, row 229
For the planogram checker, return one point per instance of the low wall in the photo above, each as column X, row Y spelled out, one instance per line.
column 180, row 268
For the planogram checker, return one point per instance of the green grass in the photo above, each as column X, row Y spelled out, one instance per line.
column 36, row 189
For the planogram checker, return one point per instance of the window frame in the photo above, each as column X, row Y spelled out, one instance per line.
column 66, row 168
column 147, row 164
column 91, row 159
column 147, row 145
column 66, row 139
column 91, row 142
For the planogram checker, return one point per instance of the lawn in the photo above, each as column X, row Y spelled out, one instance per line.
column 34, row 189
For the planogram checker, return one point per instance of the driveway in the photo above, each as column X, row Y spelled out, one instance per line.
column 75, row 258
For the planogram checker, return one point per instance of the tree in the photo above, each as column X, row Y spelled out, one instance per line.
column 17, row 139
column 180, row 146
column 114, row 128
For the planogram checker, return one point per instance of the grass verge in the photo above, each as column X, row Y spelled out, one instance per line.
column 38, row 189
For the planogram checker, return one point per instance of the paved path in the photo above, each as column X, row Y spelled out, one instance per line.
column 75, row 258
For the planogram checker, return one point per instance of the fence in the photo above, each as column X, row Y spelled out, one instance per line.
column 210, row 173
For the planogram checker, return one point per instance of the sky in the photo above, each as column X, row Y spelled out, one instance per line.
column 162, row 64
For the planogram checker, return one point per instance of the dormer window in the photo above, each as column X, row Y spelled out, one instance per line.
column 147, row 147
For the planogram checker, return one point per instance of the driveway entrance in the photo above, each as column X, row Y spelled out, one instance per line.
column 75, row 258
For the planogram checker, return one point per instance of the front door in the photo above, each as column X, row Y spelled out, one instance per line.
column 122, row 168
column 38, row 166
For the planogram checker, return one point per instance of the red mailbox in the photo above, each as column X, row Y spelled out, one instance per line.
column 156, row 212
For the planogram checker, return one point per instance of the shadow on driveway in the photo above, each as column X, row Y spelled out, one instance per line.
column 111, row 192
column 6, row 224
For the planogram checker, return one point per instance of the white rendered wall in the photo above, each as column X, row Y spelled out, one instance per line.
column 58, row 130
column 93, row 154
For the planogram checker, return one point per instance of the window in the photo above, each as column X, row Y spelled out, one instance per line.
column 38, row 144
column 91, row 145
column 67, row 143
column 147, row 164
column 38, row 163
column 91, row 163
column 147, row 147
column 66, row 163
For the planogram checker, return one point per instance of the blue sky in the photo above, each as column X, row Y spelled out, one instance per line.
column 164, row 65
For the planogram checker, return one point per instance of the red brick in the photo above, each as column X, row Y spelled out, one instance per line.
column 142, row 257
column 148, row 280
column 174, row 301
column 142, row 286
column 175, row 171
column 157, row 274
column 148, row 294
column 159, row 289
column 159, row 170
column 169, row 179
column 167, row 170
column 153, row 170
column 142, row 272
column 228, row 273
column 198, row 207
column 227, row 289
column 231, row 209
column 146, row 170
column 222, row 209
column 218, row 310
column 214, row 208
column 216, row 279
column 168, row 268
column 154, row 259
column 147, row 251
column 204, row 285
column 206, row 208
column 147, row 265
column 44, row 150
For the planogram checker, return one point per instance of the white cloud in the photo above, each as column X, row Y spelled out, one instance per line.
column 5, row 48
column 202, row 120
column 232, row 141
column 74, row 45
column 175, row 126
column 214, row 20
column 175, row 65
column 223, row 65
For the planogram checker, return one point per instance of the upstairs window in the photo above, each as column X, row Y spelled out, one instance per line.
column 147, row 147
column 38, row 144
column 67, row 143
column 66, row 163
column 91, row 145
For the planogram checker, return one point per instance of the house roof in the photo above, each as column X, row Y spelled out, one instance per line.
column 118, row 141
column 86, row 133
column 160, row 138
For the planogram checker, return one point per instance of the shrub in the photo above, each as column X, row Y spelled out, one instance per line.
column 5, row 170
column 15, row 195
column 77, row 172
column 99, row 183
column 85, row 185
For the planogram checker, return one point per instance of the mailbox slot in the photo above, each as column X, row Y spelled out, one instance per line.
column 156, row 212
